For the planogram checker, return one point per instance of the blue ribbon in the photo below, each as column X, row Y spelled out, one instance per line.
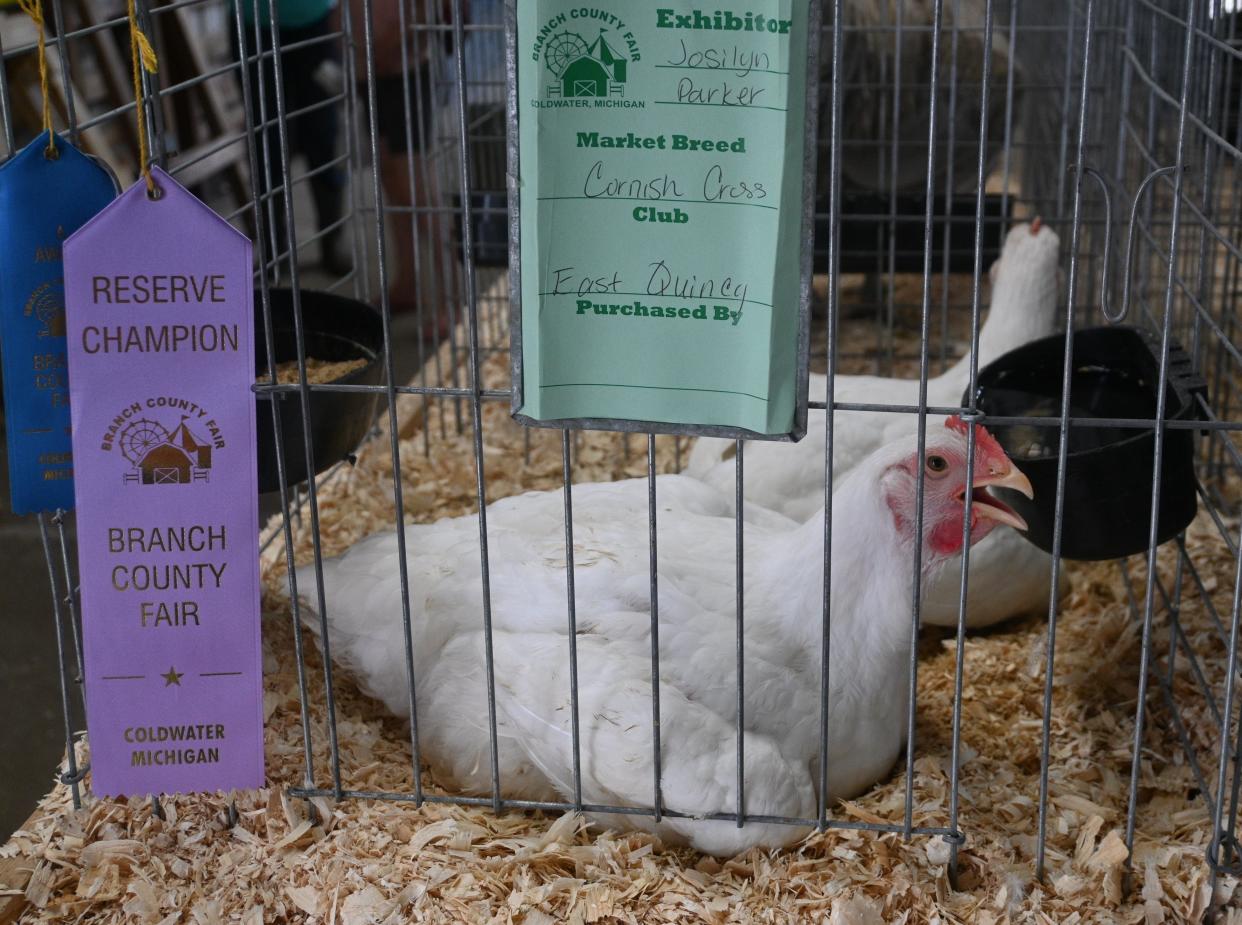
column 42, row 201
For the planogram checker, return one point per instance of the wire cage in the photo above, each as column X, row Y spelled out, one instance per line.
column 1118, row 122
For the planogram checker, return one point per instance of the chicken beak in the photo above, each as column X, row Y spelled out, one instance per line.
column 993, row 508
column 1015, row 480
column 1001, row 515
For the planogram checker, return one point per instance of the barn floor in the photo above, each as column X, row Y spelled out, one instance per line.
column 374, row 861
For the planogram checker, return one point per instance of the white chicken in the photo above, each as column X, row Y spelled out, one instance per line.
column 1008, row 576
column 872, row 567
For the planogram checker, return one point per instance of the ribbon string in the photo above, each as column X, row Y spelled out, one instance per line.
column 142, row 57
column 34, row 9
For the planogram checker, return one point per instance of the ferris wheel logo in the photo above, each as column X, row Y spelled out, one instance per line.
column 584, row 68
column 159, row 456
column 47, row 305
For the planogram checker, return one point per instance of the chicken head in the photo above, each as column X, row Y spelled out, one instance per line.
column 947, row 481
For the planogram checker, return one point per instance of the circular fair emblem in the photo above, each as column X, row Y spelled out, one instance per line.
column 163, row 440
column 586, row 55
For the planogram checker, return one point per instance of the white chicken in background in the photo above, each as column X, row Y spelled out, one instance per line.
column 1008, row 576
column 872, row 567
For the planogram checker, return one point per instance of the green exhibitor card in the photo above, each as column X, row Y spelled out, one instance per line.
column 662, row 249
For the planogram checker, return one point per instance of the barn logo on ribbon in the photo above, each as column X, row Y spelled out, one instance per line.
column 164, row 441
column 47, row 306
column 47, row 303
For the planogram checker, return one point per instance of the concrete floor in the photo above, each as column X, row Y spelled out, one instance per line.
column 32, row 732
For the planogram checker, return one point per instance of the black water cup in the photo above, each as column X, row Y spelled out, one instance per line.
column 335, row 329
column 1109, row 469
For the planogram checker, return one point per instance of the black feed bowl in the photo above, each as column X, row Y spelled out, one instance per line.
column 334, row 329
column 1108, row 479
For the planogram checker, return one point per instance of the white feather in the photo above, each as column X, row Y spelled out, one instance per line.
column 870, row 648
column 1008, row 576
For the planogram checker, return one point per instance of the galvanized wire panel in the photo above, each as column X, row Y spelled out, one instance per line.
column 941, row 124
column 1181, row 64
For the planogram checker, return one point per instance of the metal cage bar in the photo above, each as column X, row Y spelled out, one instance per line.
column 1132, row 89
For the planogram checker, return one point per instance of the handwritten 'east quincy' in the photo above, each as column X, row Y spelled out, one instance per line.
column 663, row 281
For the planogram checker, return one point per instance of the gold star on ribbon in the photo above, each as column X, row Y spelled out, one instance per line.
column 172, row 676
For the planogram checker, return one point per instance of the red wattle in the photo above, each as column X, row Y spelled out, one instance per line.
column 946, row 537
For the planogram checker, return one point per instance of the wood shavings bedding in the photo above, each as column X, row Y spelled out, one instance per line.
column 317, row 371
column 376, row 861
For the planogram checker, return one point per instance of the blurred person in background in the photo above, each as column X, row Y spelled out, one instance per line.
column 310, row 65
column 428, row 39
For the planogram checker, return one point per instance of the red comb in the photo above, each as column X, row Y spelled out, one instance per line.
column 985, row 441
column 1035, row 222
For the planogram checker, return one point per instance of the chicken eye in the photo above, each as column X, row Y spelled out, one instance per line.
column 937, row 464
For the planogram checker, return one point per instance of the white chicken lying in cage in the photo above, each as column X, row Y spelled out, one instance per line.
column 872, row 568
column 1008, row 576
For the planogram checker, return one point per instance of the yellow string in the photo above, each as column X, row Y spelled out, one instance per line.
column 34, row 9
column 141, row 55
